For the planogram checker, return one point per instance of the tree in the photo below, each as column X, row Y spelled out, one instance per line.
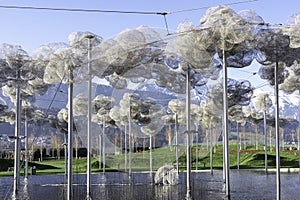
column 210, row 119
column 101, row 107
column 120, row 115
column 263, row 103
column 176, row 107
column 154, row 114
column 56, row 144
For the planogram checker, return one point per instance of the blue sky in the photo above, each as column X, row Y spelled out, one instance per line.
column 32, row 28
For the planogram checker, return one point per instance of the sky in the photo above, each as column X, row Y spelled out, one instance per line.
column 32, row 28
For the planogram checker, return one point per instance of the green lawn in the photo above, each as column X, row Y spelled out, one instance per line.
column 249, row 158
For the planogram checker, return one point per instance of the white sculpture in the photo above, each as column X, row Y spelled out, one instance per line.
column 166, row 175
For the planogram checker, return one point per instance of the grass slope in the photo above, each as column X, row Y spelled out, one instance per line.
column 249, row 158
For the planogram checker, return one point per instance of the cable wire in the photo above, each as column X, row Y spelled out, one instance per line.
column 52, row 100
column 206, row 7
column 82, row 10
column 261, row 85
column 113, row 11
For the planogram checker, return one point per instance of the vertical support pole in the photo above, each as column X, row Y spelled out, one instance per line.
column 277, row 133
column 223, row 156
column 66, row 154
column 265, row 140
column 244, row 130
column 125, row 147
column 225, row 126
column 256, row 137
column 121, row 139
column 17, row 135
column 211, row 148
column 41, row 151
column 270, row 136
column 103, row 146
column 26, row 147
column 100, row 150
column 298, row 133
column 238, row 145
column 89, row 125
column 188, row 127
column 150, row 148
column 129, row 140
column 176, row 141
column 70, row 136
column 197, row 149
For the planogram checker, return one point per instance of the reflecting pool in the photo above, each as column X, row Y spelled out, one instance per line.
column 245, row 184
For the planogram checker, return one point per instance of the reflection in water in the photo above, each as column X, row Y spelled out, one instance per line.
column 25, row 189
column 115, row 186
column 166, row 192
column 14, row 196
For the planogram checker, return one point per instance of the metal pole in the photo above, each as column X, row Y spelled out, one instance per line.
column 225, row 124
column 66, row 153
column 176, row 141
column 70, row 135
column 129, row 139
column 125, row 138
column 121, row 139
column 207, row 139
column 244, row 131
column 197, row 150
column 26, row 147
column 150, row 148
column 89, row 125
column 238, row 145
column 211, row 148
column 17, row 134
column 100, row 151
column 298, row 133
column 223, row 156
column 41, row 152
column 188, row 124
column 277, row 133
column 256, row 137
column 270, row 136
column 103, row 146
column 282, row 138
column 265, row 138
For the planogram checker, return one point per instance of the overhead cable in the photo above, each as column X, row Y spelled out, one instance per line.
column 206, row 7
column 57, row 90
column 82, row 10
column 113, row 11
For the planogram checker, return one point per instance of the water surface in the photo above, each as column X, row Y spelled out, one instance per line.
column 244, row 184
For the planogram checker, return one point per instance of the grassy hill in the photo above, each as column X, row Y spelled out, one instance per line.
column 249, row 158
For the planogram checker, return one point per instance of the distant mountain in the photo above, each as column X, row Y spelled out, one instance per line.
column 162, row 95
column 288, row 105
column 56, row 98
column 7, row 128
column 286, row 108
